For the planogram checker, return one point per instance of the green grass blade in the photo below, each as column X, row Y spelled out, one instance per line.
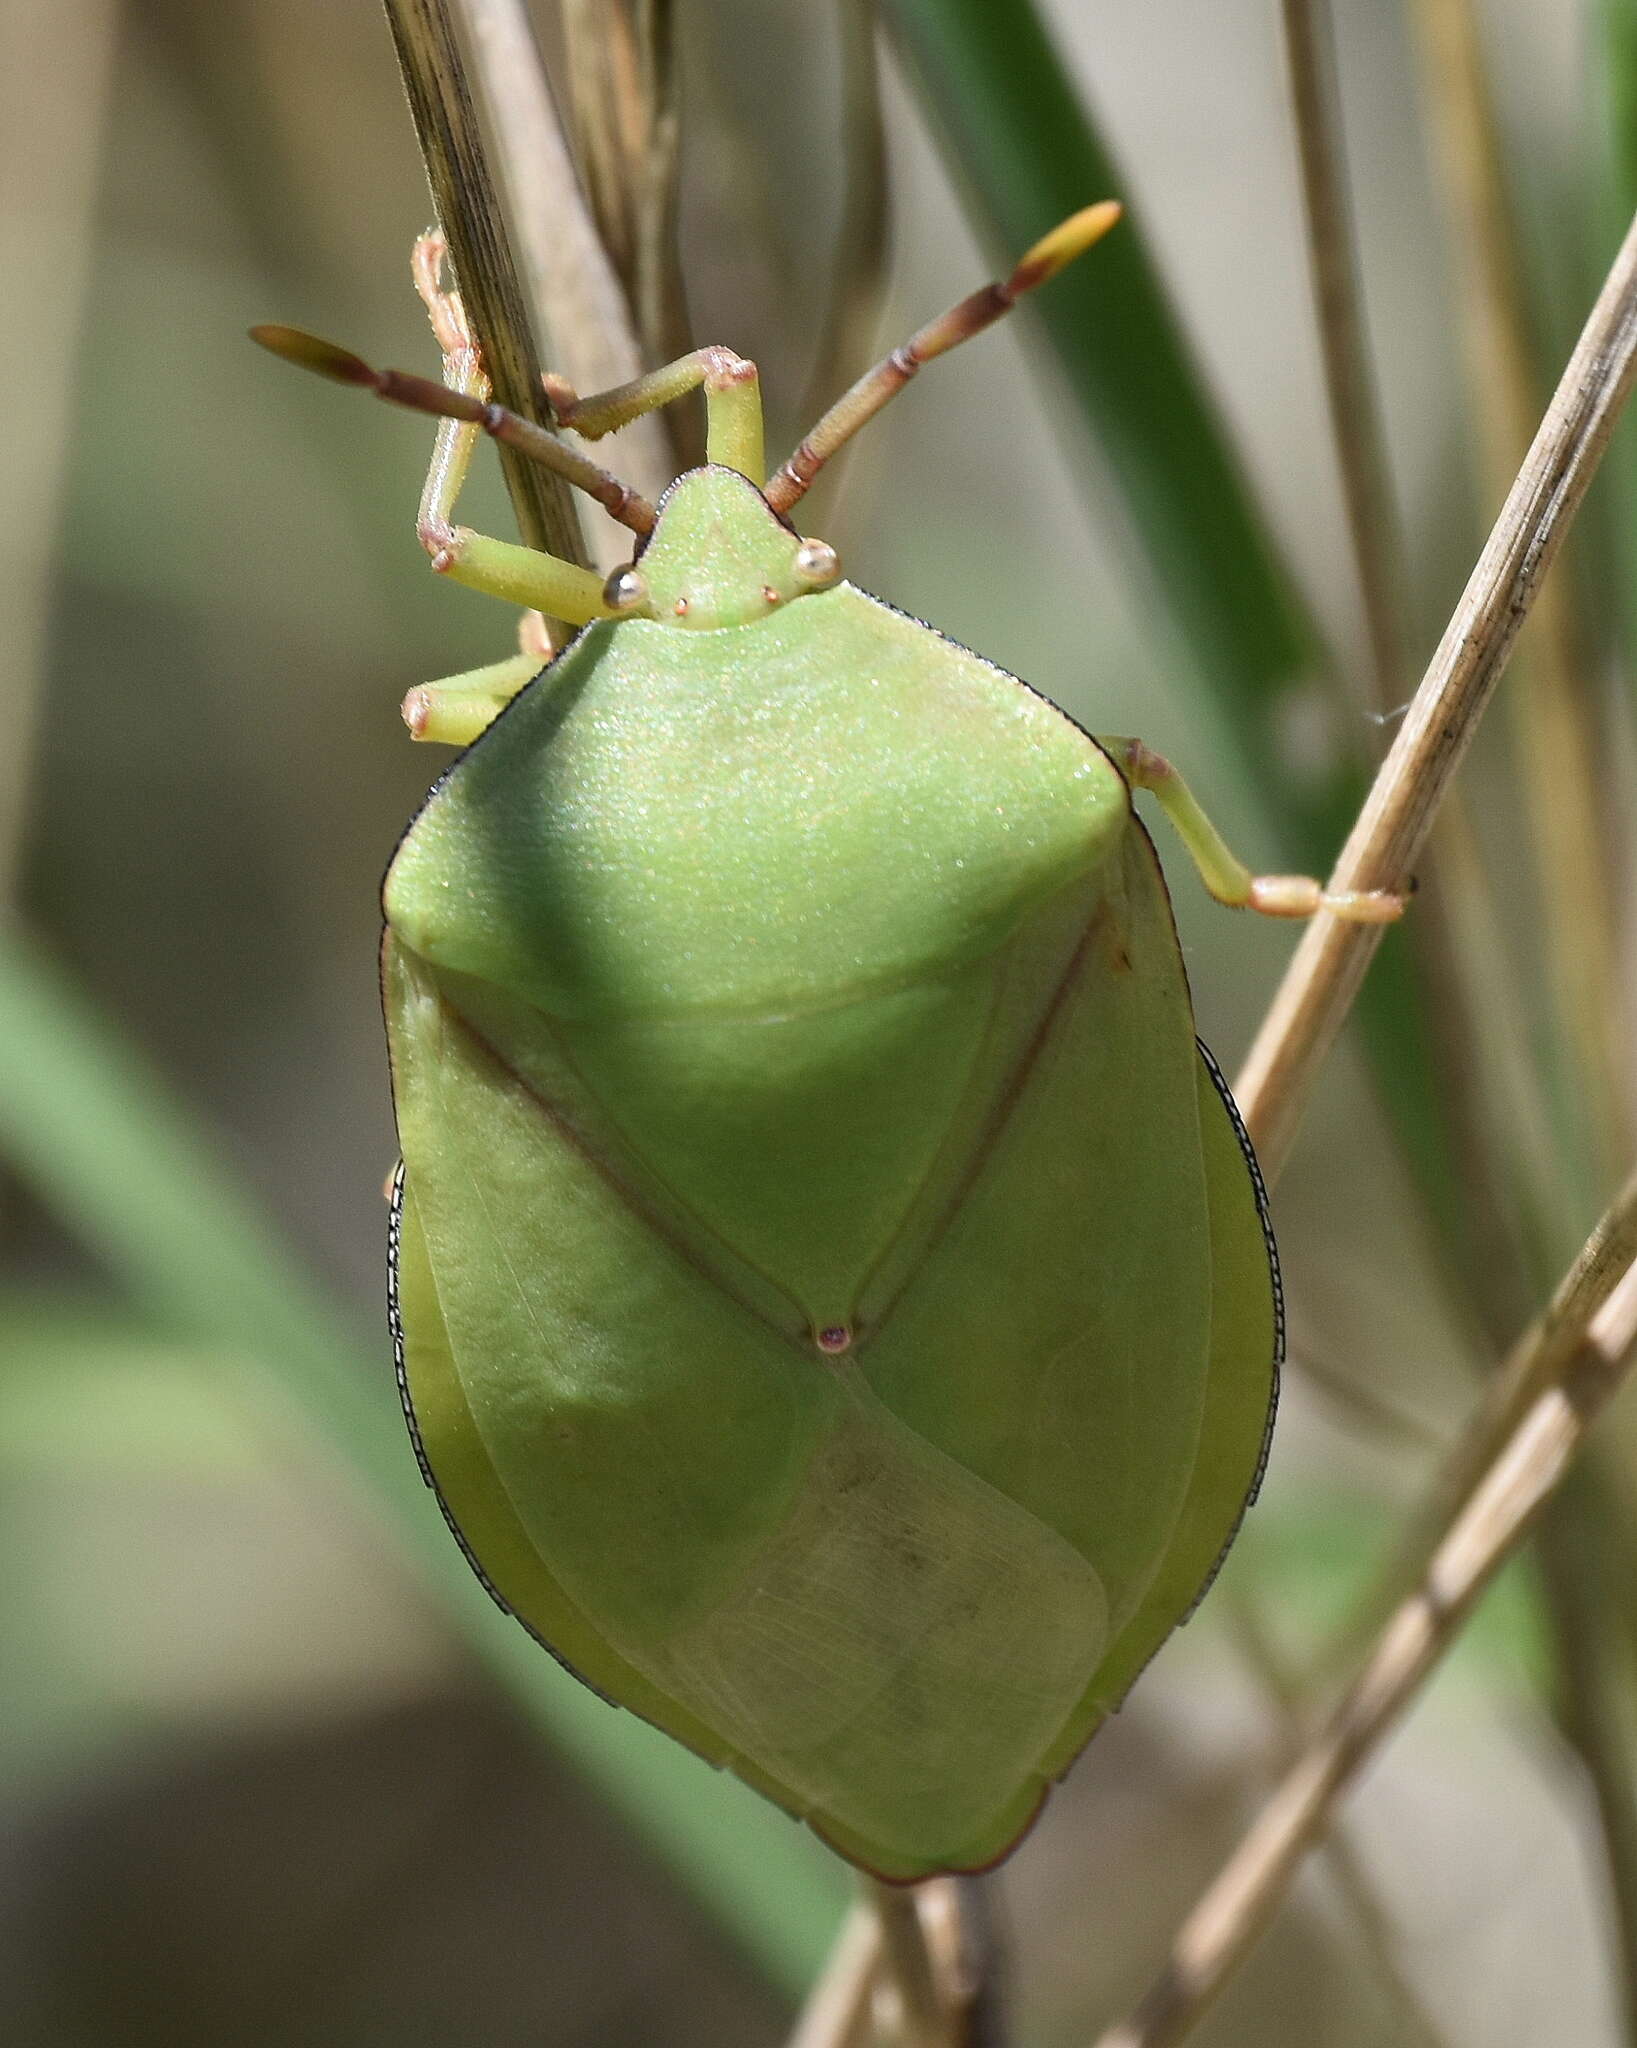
column 1027, row 153
column 1614, row 85
column 110, row 1153
column 1618, row 73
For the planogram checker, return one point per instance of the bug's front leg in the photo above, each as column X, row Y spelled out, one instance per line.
column 1226, row 876
column 453, row 710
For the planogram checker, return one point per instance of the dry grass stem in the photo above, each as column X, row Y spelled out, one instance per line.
column 1372, row 1923
column 956, row 1942
column 838, row 2012
column 56, row 68
column 1574, row 1553
column 968, row 1951
column 1456, row 897
column 1554, row 728
column 1324, row 976
column 660, row 294
column 1355, row 417
column 1541, row 1358
column 846, row 343
column 575, row 291
column 463, row 194
column 1535, row 1362
column 923, row 2018
column 604, row 96
column 623, row 87
column 1599, row 1301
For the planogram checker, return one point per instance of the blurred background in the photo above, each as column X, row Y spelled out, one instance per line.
column 270, row 1770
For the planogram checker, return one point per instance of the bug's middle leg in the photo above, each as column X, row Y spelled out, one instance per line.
column 453, row 710
column 733, row 405
column 1224, row 874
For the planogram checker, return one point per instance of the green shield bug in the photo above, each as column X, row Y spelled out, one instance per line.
column 833, row 1291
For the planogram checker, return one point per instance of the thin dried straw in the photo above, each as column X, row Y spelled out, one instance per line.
column 1483, row 1101
column 1579, row 1354
column 1329, row 964
column 622, row 72
column 923, row 2019
column 575, row 291
column 839, row 2008
column 853, row 303
column 57, row 72
column 1589, row 1332
column 1552, row 719
column 1355, row 419
column 457, row 169
column 936, row 1938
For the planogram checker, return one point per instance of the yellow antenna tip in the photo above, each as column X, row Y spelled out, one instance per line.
column 1069, row 239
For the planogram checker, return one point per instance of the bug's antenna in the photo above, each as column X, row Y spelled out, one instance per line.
column 1071, row 238
column 422, row 394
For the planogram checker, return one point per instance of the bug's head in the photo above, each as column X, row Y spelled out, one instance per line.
column 719, row 557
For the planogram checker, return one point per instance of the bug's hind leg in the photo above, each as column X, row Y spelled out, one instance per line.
column 1224, row 874
column 455, row 709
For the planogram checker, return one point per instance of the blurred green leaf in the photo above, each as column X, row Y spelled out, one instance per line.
column 1024, row 147
column 1618, row 73
column 1027, row 154
column 1313, row 1559
column 1614, row 75
column 108, row 1150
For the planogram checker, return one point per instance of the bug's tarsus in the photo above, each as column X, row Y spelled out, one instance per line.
column 980, row 309
column 445, row 309
column 1224, row 874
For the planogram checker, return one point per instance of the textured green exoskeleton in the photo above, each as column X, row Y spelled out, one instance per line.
column 833, row 1291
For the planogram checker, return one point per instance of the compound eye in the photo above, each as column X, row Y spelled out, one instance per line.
column 817, row 565
column 625, row 591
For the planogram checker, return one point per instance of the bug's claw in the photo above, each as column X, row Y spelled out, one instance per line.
column 1366, row 906
column 1301, row 896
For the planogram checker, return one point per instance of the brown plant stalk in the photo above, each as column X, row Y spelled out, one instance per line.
column 432, row 62
column 936, row 1985
column 1329, row 964
column 1483, row 1101
column 1223, row 1927
column 1572, row 1364
column 1491, row 1099
column 1553, row 727
column 575, row 291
